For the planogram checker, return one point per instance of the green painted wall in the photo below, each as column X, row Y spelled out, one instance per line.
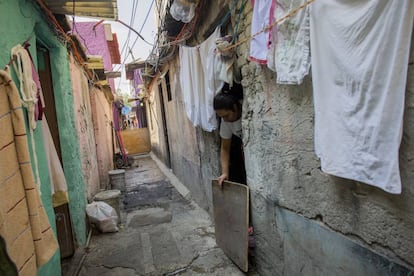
column 21, row 19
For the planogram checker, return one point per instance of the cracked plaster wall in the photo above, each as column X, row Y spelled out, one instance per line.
column 284, row 175
column 283, row 172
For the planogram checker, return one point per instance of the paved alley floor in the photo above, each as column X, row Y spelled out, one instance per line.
column 161, row 232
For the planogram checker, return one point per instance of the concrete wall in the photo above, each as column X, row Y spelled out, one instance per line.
column 85, row 130
column 94, row 38
column 159, row 144
column 193, row 151
column 101, row 117
column 306, row 222
column 283, row 172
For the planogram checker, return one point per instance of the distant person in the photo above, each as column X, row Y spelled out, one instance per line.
column 228, row 106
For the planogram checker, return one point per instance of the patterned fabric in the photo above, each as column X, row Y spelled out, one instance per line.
column 23, row 222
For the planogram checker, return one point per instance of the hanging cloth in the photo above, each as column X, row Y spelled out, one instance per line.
column 262, row 17
column 40, row 106
column 197, row 82
column 224, row 61
column 29, row 92
column 28, row 88
column 289, row 52
column 360, row 52
column 24, row 224
column 57, row 177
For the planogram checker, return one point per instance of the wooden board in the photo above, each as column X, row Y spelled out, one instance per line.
column 231, row 218
column 136, row 140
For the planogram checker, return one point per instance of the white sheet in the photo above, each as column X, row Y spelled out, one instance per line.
column 360, row 53
column 197, row 82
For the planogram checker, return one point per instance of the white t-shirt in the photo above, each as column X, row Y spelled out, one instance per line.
column 227, row 129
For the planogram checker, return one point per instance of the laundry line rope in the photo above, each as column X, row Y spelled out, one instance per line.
column 269, row 27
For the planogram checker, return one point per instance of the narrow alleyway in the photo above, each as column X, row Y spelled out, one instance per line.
column 161, row 232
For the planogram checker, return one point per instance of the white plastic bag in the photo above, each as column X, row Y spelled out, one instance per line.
column 103, row 216
column 183, row 10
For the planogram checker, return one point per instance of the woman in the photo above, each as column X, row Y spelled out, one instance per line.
column 228, row 106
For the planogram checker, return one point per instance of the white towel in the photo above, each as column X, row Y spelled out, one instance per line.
column 360, row 52
column 197, row 82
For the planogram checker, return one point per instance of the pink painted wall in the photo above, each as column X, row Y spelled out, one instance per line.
column 101, row 116
column 94, row 40
column 84, row 125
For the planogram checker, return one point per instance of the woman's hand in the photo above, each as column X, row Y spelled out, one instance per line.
column 222, row 177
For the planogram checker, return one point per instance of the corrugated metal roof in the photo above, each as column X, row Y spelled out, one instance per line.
column 105, row 9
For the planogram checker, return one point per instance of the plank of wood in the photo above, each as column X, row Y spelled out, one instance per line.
column 136, row 140
column 231, row 218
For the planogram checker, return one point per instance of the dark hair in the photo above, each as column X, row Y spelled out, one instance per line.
column 228, row 98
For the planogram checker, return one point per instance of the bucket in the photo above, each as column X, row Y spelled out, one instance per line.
column 117, row 180
column 110, row 197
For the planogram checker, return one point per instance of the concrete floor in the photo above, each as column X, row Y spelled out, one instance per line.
column 162, row 231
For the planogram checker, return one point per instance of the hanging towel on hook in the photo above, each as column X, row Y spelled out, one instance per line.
column 360, row 52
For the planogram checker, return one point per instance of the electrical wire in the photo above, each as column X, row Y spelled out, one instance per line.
column 67, row 38
column 269, row 27
column 129, row 30
column 126, row 43
column 142, row 27
column 139, row 36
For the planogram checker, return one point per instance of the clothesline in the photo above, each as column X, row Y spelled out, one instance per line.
column 290, row 14
column 269, row 27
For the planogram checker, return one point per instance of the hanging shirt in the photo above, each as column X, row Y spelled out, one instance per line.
column 289, row 52
column 197, row 82
column 360, row 52
column 261, row 18
column 227, row 129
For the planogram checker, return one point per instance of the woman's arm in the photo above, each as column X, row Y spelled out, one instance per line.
column 224, row 160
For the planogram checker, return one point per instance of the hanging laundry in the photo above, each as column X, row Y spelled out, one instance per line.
column 289, row 52
column 224, row 60
column 58, row 184
column 360, row 52
column 27, row 88
column 261, row 18
column 24, row 224
column 29, row 92
column 197, row 81
column 40, row 106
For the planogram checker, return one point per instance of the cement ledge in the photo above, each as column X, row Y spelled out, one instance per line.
column 171, row 176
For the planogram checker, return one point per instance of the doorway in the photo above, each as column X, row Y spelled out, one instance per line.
column 164, row 124
column 62, row 214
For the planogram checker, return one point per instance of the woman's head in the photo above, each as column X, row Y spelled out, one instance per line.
column 227, row 103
